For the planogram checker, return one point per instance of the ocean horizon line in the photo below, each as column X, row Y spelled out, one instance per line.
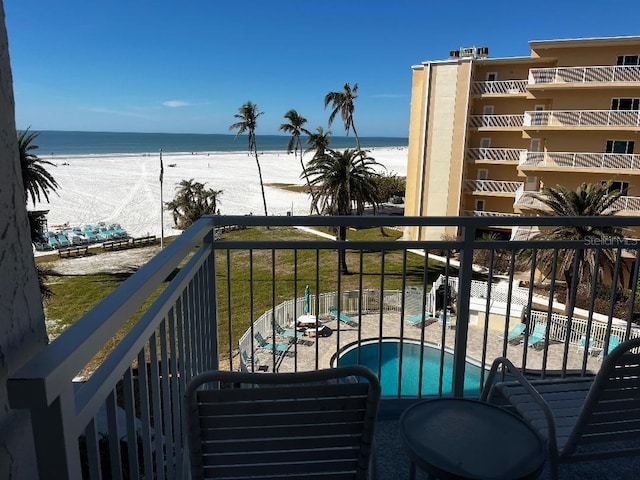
column 71, row 142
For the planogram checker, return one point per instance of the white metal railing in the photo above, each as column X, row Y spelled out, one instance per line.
column 526, row 198
column 491, row 186
column 582, row 118
column 627, row 204
column 618, row 161
column 592, row 74
column 495, row 154
column 502, row 87
column 524, row 233
column 496, row 121
column 485, row 213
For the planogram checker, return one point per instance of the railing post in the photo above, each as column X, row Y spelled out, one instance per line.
column 55, row 438
column 211, row 299
column 462, row 309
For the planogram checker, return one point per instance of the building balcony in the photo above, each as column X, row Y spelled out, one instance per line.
column 494, row 155
column 559, row 161
column 527, row 200
column 501, row 88
column 582, row 120
column 491, row 187
column 496, row 122
column 204, row 297
column 592, row 76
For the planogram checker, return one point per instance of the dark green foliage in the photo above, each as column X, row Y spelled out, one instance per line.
column 192, row 201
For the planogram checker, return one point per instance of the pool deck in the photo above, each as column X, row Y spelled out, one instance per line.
column 302, row 355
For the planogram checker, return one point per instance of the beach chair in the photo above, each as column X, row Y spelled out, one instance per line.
column 581, row 418
column 279, row 348
column 515, row 333
column 418, row 318
column 343, row 317
column 614, row 341
column 251, row 363
column 537, row 336
column 284, row 332
column 583, row 344
column 319, row 424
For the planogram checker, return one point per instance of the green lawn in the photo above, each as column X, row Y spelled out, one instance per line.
column 255, row 278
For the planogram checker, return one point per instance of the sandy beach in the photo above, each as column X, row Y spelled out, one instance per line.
column 125, row 189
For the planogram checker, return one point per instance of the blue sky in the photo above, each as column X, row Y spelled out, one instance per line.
column 185, row 66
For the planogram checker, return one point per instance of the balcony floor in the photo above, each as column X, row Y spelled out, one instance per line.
column 393, row 463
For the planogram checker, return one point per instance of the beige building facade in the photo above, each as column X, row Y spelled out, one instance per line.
column 485, row 134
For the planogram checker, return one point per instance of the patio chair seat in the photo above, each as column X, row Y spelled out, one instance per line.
column 600, row 412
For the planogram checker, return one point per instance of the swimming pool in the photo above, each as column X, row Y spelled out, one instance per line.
column 408, row 381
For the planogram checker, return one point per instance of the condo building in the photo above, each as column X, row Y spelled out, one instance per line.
column 486, row 134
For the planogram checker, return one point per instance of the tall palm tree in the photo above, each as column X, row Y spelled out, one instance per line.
column 343, row 102
column 343, row 180
column 295, row 127
column 319, row 142
column 36, row 179
column 248, row 115
column 589, row 199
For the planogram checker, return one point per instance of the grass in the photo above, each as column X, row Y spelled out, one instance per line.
column 256, row 280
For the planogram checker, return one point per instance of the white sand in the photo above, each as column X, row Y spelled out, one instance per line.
column 125, row 189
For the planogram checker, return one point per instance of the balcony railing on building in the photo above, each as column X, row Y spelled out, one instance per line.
column 492, row 186
column 527, row 199
column 586, row 160
column 591, row 74
column 496, row 121
column 582, row 118
column 502, row 87
column 203, row 298
column 485, row 213
column 627, row 204
column 494, row 154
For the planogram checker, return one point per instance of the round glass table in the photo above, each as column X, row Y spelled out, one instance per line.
column 456, row 438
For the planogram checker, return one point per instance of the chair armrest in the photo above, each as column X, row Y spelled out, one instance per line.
column 537, row 398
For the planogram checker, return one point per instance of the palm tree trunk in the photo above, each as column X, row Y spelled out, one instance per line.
column 355, row 134
column 264, row 198
column 342, row 254
column 306, row 177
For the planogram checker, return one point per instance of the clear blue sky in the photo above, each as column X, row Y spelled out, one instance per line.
column 185, row 66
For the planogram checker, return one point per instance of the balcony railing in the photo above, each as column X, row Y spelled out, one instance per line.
column 627, row 204
column 494, row 154
column 484, row 213
column 203, row 298
column 496, row 121
column 527, row 199
column 582, row 118
column 615, row 161
column 502, row 87
column 492, row 186
column 594, row 74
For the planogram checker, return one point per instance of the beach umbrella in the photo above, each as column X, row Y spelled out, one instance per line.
column 307, row 299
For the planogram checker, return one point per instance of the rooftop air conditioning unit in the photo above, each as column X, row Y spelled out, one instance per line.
column 454, row 54
column 483, row 51
column 468, row 52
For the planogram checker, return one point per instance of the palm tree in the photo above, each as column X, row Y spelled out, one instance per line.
column 589, row 199
column 35, row 177
column 248, row 115
column 192, row 201
column 295, row 127
column 343, row 102
column 319, row 142
column 343, row 180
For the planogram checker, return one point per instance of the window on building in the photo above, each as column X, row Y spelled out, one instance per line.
column 480, row 206
column 485, row 142
column 625, row 104
column 492, row 76
column 488, row 110
column 620, row 146
column 535, row 145
column 483, row 174
column 617, row 186
column 628, row 60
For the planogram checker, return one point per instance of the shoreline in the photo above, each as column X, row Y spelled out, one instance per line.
column 125, row 188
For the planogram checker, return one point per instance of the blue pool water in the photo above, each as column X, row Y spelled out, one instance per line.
column 412, row 352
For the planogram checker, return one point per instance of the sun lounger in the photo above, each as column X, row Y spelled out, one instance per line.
column 583, row 343
column 537, row 336
column 343, row 317
column 418, row 318
column 515, row 333
column 283, row 332
column 278, row 347
column 252, row 364
column 614, row 341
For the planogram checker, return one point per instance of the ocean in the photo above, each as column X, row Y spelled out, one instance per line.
column 52, row 142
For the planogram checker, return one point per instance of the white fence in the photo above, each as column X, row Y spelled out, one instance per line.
column 610, row 73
